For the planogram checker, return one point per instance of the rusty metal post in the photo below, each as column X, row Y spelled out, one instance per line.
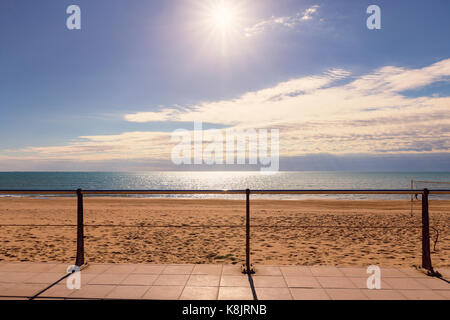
column 426, row 256
column 80, row 230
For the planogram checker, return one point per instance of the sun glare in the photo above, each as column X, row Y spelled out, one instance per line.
column 223, row 16
column 221, row 23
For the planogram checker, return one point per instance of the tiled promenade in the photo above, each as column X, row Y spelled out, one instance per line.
column 211, row 282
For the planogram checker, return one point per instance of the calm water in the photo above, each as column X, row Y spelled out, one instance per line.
column 223, row 180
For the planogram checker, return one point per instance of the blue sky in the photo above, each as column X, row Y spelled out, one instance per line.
column 139, row 69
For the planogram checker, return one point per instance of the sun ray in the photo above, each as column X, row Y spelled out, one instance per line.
column 223, row 20
column 223, row 16
column 218, row 27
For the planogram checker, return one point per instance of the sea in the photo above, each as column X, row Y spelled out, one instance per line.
column 227, row 180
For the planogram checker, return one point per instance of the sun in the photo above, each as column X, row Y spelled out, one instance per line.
column 220, row 24
column 223, row 16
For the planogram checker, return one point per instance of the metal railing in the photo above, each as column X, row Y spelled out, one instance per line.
column 247, row 268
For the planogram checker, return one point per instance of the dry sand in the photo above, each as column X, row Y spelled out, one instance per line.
column 306, row 232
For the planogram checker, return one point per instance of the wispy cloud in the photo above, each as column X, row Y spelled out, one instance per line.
column 125, row 146
column 287, row 22
column 334, row 112
column 163, row 115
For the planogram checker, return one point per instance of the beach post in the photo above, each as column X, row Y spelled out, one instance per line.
column 80, row 230
column 426, row 256
column 248, row 269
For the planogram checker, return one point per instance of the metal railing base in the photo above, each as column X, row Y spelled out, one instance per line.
column 245, row 271
column 428, row 272
column 83, row 266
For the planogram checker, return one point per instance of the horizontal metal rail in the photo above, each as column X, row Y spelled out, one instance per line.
column 293, row 226
column 428, row 181
column 142, row 192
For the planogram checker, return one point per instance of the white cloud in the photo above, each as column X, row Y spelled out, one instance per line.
column 334, row 112
column 128, row 145
column 287, row 22
column 163, row 115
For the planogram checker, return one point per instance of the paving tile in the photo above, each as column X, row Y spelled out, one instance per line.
column 86, row 277
column 96, row 268
column 269, row 282
column 336, row 282
column 404, row 283
column 302, row 282
column 422, row 295
column 13, row 298
column 189, row 281
column 120, row 269
column 322, row 271
column 46, row 278
column 412, row 272
column 92, row 291
column 140, row 279
column 354, row 272
column 361, row 283
column 209, row 269
column 392, row 272
column 60, row 268
column 128, row 292
column 199, row 293
column 309, row 294
column 235, row 281
column 171, row 280
column 346, row 294
column 58, row 291
column 235, row 293
column 4, row 288
column 178, row 269
column 302, row 271
column 108, row 278
column 16, row 267
column 434, row 283
column 203, row 280
column 268, row 271
column 231, row 270
column 444, row 293
column 273, row 294
column 26, row 289
column 17, row 277
column 45, row 267
column 445, row 272
column 382, row 294
column 149, row 269
column 163, row 293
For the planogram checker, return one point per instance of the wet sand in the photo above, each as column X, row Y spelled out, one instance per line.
column 303, row 232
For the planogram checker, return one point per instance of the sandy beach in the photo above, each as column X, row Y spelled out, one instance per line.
column 303, row 232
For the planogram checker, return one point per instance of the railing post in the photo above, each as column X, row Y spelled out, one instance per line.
column 80, row 230
column 426, row 256
column 248, row 266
